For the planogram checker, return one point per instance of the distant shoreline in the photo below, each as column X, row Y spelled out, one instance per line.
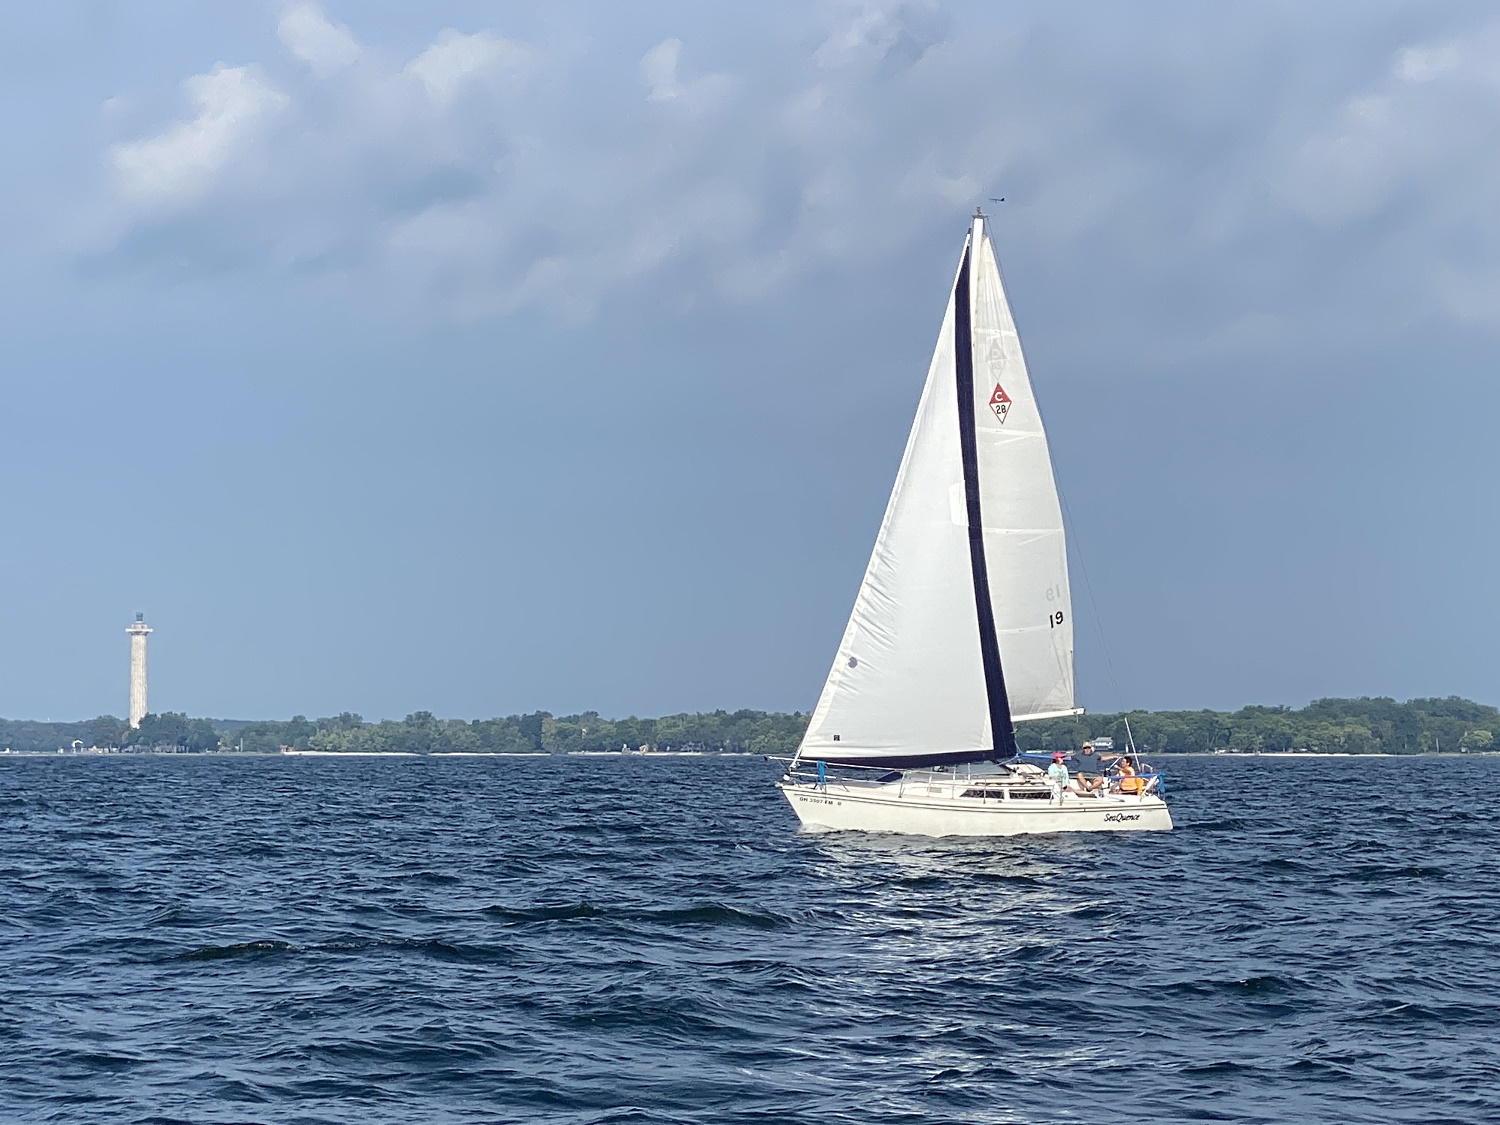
column 373, row 754
column 659, row 754
column 1367, row 725
column 1318, row 754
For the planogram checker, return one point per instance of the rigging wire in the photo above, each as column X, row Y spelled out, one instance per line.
column 1109, row 662
column 1072, row 535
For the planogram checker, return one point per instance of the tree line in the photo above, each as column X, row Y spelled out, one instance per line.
column 1361, row 726
column 1353, row 726
column 169, row 730
column 541, row 732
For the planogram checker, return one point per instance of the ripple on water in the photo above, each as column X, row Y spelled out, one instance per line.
column 588, row 940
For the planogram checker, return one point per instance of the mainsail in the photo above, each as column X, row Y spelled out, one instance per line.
column 963, row 623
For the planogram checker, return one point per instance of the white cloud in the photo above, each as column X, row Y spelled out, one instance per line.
column 659, row 69
column 455, row 60
column 183, row 162
column 488, row 174
column 1384, row 141
column 323, row 45
column 1423, row 64
column 870, row 29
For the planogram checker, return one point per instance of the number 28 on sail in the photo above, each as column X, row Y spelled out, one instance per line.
column 963, row 625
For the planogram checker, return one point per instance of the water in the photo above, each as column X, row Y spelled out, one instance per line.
column 579, row 940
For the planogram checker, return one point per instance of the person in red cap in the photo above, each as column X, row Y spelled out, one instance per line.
column 1057, row 774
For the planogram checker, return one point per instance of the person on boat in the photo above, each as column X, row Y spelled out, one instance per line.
column 1057, row 774
column 1092, row 770
column 1126, row 776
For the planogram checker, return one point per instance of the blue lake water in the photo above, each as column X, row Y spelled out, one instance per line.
column 310, row 940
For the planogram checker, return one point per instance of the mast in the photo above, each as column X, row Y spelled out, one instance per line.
column 1001, row 731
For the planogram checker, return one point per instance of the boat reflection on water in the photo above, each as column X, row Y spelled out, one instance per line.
column 1003, row 941
column 957, row 895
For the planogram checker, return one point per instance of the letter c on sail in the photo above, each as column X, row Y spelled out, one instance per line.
column 1000, row 403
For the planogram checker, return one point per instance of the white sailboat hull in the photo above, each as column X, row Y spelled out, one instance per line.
column 910, row 809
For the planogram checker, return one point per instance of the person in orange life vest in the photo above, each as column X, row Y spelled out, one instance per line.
column 1125, row 772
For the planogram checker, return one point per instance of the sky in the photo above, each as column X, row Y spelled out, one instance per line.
column 485, row 357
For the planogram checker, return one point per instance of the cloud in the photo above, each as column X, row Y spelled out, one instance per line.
column 183, row 162
column 1436, row 102
column 1413, row 153
column 322, row 44
column 455, row 60
column 659, row 69
column 1217, row 172
column 876, row 30
column 1423, row 64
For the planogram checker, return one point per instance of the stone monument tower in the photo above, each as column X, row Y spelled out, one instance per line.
column 138, row 630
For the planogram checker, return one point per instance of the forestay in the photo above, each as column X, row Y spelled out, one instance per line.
column 908, row 685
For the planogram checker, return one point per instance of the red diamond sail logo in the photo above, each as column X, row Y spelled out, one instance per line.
column 1000, row 403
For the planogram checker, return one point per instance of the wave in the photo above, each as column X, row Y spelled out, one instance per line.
column 428, row 947
column 558, row 913
column 508, row 952
column 708, row 914
column 1375, row 873
column 238, row 949
column 714, row 915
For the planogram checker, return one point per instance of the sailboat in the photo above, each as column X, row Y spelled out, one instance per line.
column 963, row 624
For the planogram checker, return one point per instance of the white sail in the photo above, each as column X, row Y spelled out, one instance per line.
column 1023, row 528
column 908, row 681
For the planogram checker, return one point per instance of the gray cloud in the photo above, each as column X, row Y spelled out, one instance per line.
column 1255, row 171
